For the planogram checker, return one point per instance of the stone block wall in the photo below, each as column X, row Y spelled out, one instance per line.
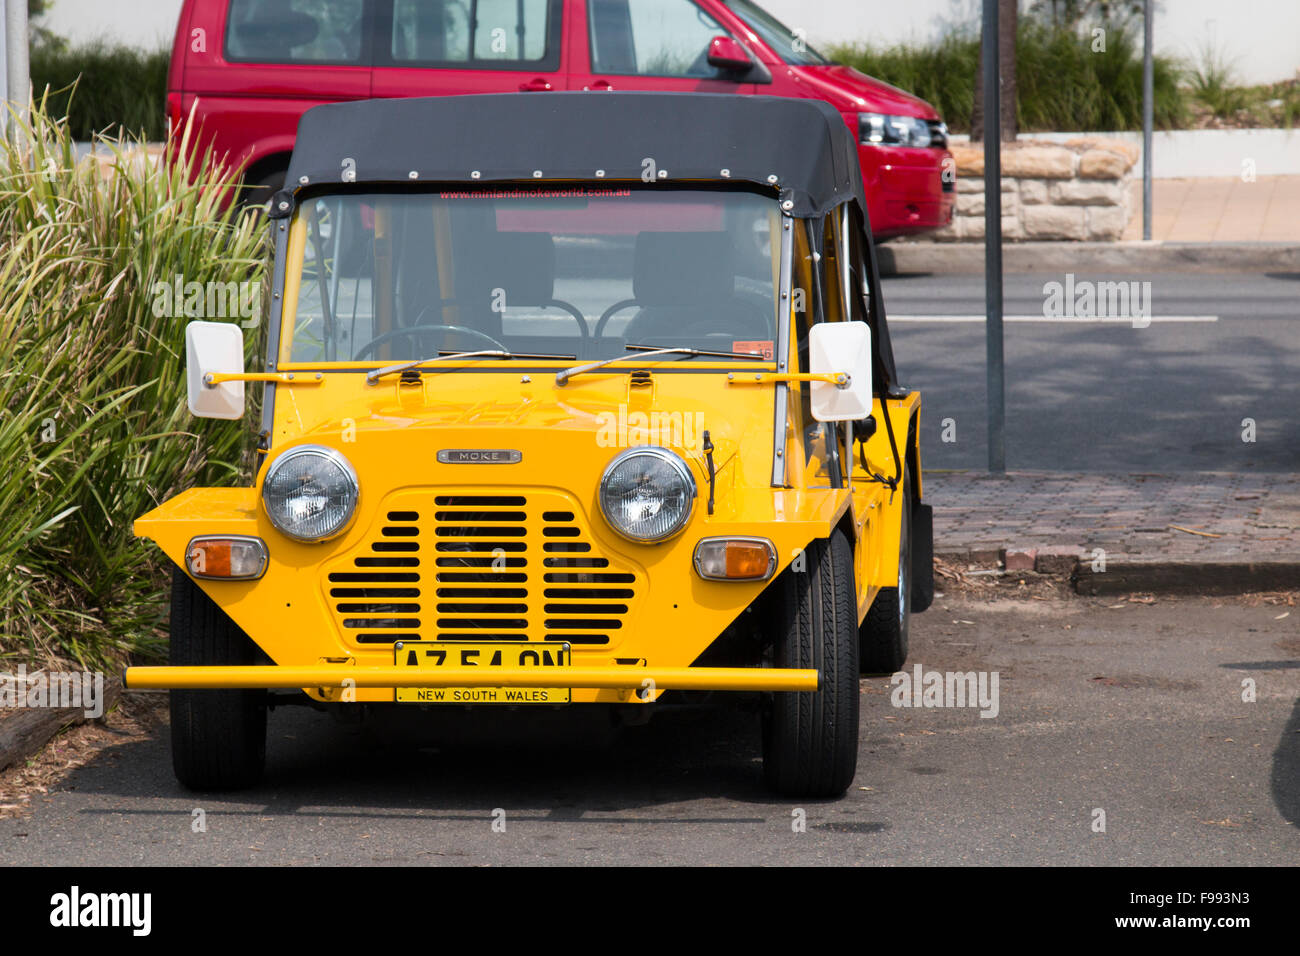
column 1074, row 190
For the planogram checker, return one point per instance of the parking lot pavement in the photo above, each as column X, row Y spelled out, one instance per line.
column 1197, row 521
column 1125, row 733
column 1104, row 396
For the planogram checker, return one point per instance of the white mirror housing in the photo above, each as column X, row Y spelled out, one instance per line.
column 214, row 347
column 841, row 348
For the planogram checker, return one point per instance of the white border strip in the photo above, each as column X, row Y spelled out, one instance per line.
column 1063, row 320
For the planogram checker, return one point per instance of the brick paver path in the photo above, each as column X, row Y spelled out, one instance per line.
column 1256, row 517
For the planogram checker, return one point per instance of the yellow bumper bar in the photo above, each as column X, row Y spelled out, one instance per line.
column 325, row 675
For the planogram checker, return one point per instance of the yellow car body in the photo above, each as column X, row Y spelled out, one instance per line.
column 477, row 555
column 392, row 435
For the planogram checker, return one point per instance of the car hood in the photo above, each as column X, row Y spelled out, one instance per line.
column 850, row 90
column 588, row 420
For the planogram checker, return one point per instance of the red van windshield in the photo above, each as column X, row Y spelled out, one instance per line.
column 790, row 45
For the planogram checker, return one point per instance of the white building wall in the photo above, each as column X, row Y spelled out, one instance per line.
column 1259, row 38
column 143, row 23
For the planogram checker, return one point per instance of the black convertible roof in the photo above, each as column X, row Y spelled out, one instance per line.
column 801, row 147
column 803, row 143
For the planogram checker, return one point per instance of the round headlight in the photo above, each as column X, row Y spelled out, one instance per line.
column 647, row 494
column 310, row 492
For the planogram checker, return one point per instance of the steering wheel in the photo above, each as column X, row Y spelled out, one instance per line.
column 609, row 313
column 761, row 302
column 421, row 330
column 560, row 304
column 733, row 328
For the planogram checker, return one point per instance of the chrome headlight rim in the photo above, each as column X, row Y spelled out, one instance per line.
column 334, row 456
column 678, row 464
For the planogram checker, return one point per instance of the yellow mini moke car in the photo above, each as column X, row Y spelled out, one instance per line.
column 570, row 400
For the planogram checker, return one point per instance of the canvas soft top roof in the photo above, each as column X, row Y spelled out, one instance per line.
column 804, row 143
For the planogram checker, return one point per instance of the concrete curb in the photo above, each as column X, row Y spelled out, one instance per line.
column 1185, row 577
column 898, row 258
column 1124, row 576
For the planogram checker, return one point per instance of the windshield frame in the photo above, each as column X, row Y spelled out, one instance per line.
column 292, row 246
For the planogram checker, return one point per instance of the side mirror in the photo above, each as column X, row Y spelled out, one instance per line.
column 726, row 53
column 841, row 348
column 212, row 347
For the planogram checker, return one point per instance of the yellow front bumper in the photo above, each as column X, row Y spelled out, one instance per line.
column 336, row 676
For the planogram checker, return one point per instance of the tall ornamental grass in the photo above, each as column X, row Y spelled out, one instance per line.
column 94, row 429
column 1063, row 83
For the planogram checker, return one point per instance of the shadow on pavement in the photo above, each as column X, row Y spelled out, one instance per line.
column 1285, row 779
column 316, row 762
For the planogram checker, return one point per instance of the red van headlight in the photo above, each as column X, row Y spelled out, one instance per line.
column 880, row 129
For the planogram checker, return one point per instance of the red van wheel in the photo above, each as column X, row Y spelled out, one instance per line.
column 256, row 193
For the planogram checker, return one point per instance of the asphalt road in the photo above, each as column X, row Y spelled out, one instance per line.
column 1089, row 396
column 1134, row 710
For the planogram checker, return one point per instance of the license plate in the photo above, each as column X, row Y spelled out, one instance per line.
column 431, row 655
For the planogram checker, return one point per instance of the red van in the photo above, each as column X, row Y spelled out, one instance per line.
column 254, row 67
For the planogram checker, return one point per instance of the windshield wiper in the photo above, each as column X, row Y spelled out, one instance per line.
column 377, row 374
column 646, row 351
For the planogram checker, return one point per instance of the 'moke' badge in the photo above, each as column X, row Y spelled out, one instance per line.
column 480, row 456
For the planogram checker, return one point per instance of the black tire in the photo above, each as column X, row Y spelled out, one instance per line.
column 810, row 740
column 922, row 556
column 883, row 636
column 218, row 736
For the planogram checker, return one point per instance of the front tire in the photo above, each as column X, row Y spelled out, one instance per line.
column 218, row 736
column 810, row 740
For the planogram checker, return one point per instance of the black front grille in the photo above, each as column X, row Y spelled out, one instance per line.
column 371, row 608
column 481, row 567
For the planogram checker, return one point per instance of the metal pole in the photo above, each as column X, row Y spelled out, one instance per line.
column 4, row 60
column 1148, row 113
column 17, row 73
column 993, row 241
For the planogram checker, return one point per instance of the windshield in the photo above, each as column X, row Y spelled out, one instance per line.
column 581, row 271
column 790, row 45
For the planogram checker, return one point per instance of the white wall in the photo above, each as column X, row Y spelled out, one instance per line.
column 1199, row 153
column 1260, row 37
column 143, row 23
column 880, row 22
column 4, row 66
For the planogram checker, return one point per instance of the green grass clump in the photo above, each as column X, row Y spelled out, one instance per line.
column 1063, row 83
column 942, row 74
column 94, row 429
column 116, row 86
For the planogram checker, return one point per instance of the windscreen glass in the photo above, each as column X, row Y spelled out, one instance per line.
column 580, row 271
